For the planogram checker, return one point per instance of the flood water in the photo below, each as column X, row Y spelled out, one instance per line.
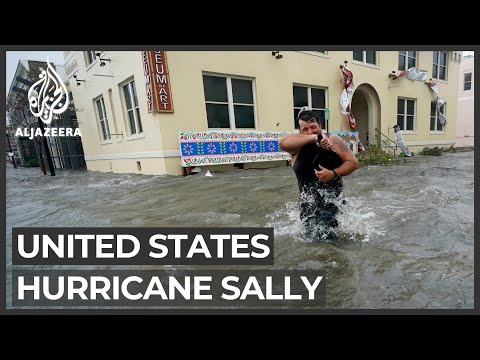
column 413, row 223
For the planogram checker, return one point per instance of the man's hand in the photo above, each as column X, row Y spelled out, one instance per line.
column 324, row 174
column 325, row 143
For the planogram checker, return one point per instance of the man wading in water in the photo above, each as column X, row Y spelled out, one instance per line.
column 319, row 162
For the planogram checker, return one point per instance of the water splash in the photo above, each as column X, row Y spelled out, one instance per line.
column 286, row 221
column 356, row 221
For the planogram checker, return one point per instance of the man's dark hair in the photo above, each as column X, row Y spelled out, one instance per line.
column 308, row 116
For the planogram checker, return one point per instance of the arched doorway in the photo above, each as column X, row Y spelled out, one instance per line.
column 366, row 110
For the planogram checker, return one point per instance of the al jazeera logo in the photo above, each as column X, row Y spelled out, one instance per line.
column 48, row 98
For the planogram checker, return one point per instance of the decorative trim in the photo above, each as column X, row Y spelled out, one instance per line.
column 135, row 155
column 229, row 147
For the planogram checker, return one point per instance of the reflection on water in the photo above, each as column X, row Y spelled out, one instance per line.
column 406, row 232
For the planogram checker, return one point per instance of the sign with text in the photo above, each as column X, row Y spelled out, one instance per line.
column 157, row 81
column 142, row 246
column 148, row 81
column 170, row 288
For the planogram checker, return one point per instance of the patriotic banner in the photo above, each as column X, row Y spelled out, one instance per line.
column 414, row 74
column 410, row 74
column 347, row 94
column 440, row 102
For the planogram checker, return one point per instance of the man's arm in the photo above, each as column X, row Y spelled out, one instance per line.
column 350, row 162
column 349, row 165
column 292, row 143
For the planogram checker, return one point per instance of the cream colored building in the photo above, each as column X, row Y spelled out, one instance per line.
column 465, row 119
column 258, row 90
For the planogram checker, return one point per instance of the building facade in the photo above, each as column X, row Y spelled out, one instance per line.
column 131, row 125
column 17, row 111
column 465, row 118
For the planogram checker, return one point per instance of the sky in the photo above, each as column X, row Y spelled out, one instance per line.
column 54, row 56
column 13, row 56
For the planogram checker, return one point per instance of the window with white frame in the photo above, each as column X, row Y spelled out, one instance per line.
column 89, row 57
column 229, row 102
column 133, row 110
column 467, row 81
column 407, row 59
column 315, row 98
column 102, row 117
column 367, row 57
column 435, row 124
column 439, row 70
column 405, row 114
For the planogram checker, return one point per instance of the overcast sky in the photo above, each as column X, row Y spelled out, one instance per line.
column 55, row 57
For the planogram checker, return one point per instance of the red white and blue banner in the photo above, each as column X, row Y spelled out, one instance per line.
column 414, row 74
column 440, row 102
column 347, row 94
column 410, row 74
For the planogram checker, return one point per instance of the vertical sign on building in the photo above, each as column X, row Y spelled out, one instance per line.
column 148, row 80
column 157, row 80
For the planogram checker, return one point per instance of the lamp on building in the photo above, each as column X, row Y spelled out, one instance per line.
column 393, row 75
column 78, row 81
column 277, row 55
column 102, row 61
